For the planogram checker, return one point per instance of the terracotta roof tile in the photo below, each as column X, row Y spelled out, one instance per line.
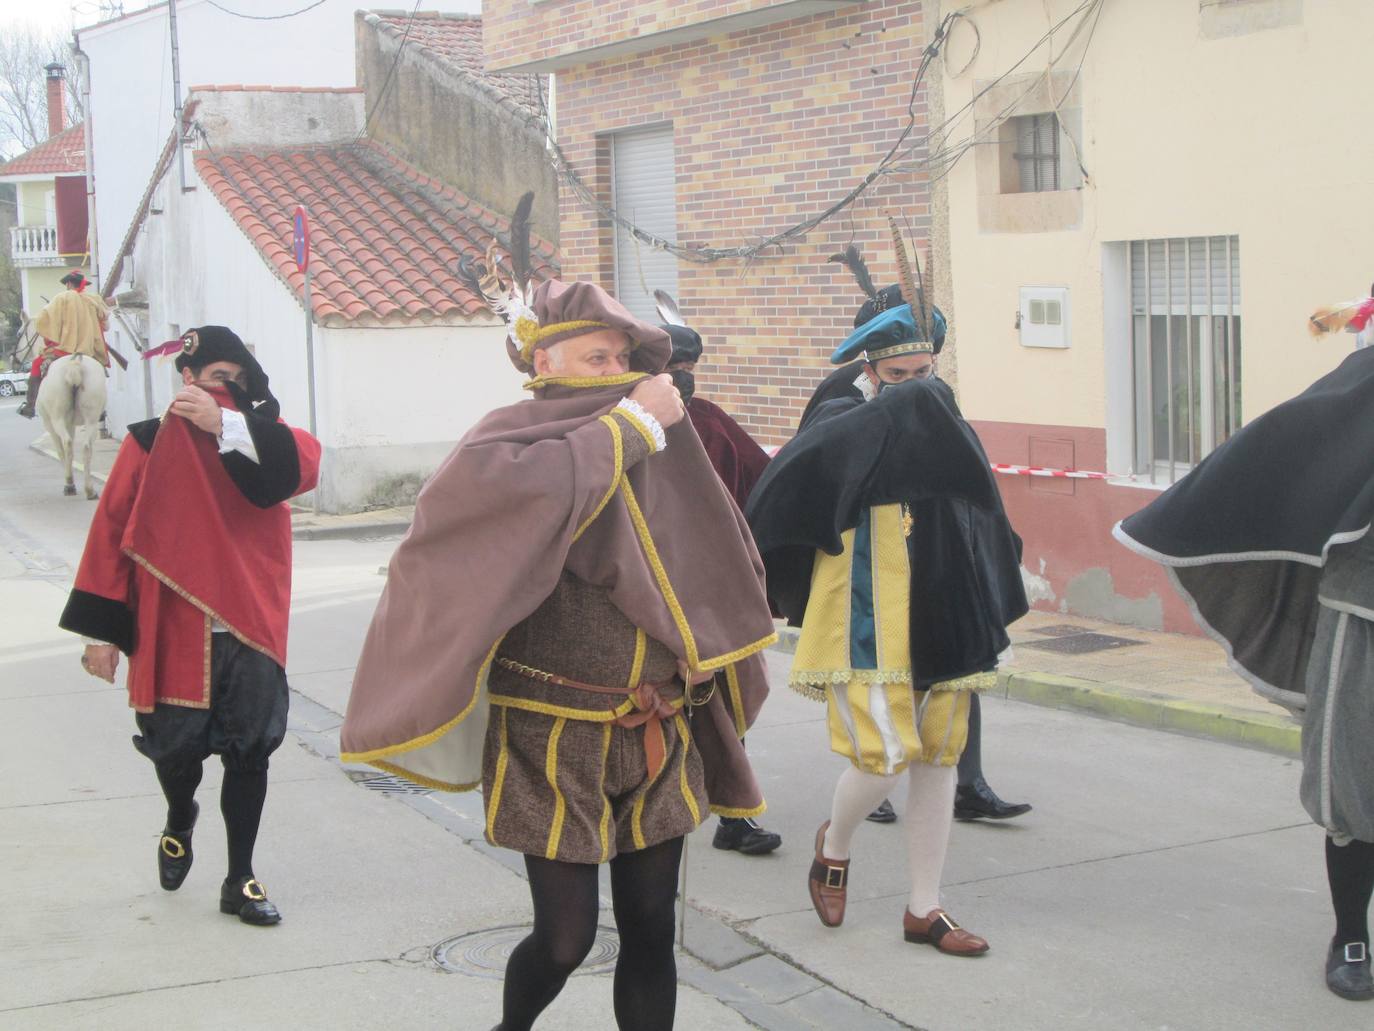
column 63, row 154
column 455, row 40
column 385, row 240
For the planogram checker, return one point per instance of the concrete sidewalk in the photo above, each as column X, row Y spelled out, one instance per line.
column 1163, row 681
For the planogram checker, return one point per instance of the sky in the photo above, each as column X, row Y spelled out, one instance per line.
column 53, row 14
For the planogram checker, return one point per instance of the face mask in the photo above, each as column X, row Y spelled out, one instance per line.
column 685, row 382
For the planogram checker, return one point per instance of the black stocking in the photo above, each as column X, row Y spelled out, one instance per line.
column 643, row 889
column 1350, row 872
column 971, row 762
column 241, row 798
column 565, row 908
column 179, row 785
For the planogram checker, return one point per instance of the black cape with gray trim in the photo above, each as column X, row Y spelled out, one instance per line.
column 1246, row 534
column 909, row 444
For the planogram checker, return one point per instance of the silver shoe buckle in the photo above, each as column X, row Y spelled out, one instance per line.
column 1356, row 952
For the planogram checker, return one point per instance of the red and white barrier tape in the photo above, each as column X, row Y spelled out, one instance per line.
column 1035, row 470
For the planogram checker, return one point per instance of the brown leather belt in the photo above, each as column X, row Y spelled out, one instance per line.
column 651, row 707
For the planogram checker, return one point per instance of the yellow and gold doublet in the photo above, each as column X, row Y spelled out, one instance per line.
column 855, row 652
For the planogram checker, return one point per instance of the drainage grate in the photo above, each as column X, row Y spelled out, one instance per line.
column 484, row 953
column 1081, row 643
column 387, row 783
column 1060, row 630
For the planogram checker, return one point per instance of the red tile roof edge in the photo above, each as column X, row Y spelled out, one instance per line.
column 37, row 155
column 327, row 312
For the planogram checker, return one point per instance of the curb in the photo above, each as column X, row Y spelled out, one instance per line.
column 381, row 528
column 1233, row 725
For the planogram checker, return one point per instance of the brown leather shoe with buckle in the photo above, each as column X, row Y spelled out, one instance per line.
column 828, row 882
column 936, row 928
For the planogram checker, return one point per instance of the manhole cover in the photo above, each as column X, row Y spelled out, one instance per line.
column 1081, row 644
column 387, row 783
column 484, row 953
column 1059, row 630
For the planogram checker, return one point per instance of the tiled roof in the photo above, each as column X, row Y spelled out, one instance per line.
column 63, row 154
column 385, row 239
column 456, row 41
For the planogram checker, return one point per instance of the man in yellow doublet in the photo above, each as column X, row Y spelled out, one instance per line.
column 883, row 535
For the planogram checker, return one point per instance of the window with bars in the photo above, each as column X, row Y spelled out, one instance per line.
column 1037, row 152
column 1185, row 340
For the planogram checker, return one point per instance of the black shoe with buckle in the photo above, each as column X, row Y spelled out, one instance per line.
column 26, row 410
column 977, row 801
column 1347, row 971
column 744, row 836
column 883, row 814
column 246, row 898
column 174, row 853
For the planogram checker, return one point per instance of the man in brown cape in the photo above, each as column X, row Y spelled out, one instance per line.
column 571, row 564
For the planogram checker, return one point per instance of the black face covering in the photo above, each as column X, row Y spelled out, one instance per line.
column 686, row 383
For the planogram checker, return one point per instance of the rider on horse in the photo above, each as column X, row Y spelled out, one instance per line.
column 73, row 322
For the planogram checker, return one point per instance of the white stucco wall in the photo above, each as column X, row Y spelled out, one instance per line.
column 1183, row 130
column 391, row 401
column 131, row 81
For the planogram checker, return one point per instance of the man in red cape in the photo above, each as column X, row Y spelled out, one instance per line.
column 187, row 571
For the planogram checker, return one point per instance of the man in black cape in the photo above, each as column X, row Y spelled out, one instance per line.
column 860, row 380
column 1268, row 541
column 866, row 523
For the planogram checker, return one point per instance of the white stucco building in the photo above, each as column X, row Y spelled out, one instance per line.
column 406, row 358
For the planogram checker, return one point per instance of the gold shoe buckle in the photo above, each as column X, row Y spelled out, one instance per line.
column 945, row 919
column 169, row 843
column 254, row 891
column 835, row 876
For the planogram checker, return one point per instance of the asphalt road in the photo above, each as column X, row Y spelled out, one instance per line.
column 1162, row 882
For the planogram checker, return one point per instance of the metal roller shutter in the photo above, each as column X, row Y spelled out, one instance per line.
column 642, row 174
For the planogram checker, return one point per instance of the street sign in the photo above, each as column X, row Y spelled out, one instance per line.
column 300, row 238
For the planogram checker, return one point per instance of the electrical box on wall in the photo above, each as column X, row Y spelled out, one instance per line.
column 1044, row 316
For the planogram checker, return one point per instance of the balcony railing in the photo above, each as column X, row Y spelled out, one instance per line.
column 34, row 247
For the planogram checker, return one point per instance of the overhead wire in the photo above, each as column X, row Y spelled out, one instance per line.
column 938, row 162
column 390, row 72
column 265, row 17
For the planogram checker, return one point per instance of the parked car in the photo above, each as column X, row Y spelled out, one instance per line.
column 12, row 383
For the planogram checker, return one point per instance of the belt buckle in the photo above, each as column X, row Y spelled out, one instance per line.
column 693, row 701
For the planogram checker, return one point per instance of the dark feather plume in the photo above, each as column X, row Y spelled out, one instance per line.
column 851, row 259
column 520, row 242
column 468, row 273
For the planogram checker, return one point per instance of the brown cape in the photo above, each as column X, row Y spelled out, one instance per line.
column 532, row 489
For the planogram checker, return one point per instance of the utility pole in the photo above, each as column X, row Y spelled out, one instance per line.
column 176, row 93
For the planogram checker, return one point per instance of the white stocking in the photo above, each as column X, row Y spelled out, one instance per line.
column 929, row 814
column 856, row 795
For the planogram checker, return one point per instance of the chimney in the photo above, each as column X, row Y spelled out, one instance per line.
column 57, row 109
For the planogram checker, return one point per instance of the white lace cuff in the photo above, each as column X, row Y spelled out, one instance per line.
column 234, row 435
column 636, row 411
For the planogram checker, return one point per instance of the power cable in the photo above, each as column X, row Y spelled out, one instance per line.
column 940, row 162
column 264, row 17
column 386, row 83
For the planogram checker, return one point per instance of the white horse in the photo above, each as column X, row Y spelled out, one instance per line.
column 71, row 401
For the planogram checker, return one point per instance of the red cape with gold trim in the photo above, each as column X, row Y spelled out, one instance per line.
column 176, row 543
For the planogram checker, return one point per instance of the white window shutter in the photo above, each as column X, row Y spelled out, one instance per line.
column 643, row 177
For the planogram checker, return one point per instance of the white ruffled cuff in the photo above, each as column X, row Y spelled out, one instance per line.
column 637, row 410
column 234, row 435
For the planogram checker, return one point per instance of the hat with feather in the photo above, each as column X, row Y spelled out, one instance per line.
column 544, row 314
column 887, row 324
column 686, row 340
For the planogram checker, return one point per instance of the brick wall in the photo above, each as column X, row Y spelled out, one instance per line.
column 517, row 31
column 771, row 126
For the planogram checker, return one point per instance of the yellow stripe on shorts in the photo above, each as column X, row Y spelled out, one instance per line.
column 560, row 806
